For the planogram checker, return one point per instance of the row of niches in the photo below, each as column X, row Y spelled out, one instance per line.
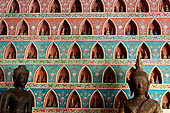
column 95, row 99
column 95, row 51
column 86, row 75
column 85, row 28
column 76, row 6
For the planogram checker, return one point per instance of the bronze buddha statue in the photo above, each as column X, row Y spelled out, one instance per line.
column 139, row 86
column 17, row 100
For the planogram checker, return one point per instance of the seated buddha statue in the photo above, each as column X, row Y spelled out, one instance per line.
column 17, row 100
column 139, row 86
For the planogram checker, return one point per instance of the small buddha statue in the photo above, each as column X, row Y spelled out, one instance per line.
column 73, row 55
column 51, row 101
column 84, row 78
column 121, row 8
column 164, row 106
column 162, row 8
column 165, row 55
column 150, row 31
column 29, row 55
column 145, row 55
column 118, row 55
column 17, row 100
column 128, row 31
column 95, row 55
column 166, row 8
column 157, row 79
column 139, row 86
column 50, row 56
column 55, row 55
column 108, row 32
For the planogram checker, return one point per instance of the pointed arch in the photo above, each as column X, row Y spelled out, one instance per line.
column 119, row 98
column 33, row 97
column 3, row 27
column 53, row 52
column 131, row 28
column 165, row 101
column 74, row 51
column 44, row 28
column 109, row 27
column 97, row 6
column 10, row 51
column 41, row 75
column 156, row 76
column 85, row 75
column 51, row 99
column 55, row 6
column 144, row 50
column 86, row 28
column 109, row 75
column 142, row 6
column 129, row 72
column 154, row 28
column 65, row 28
column 164, row 6
column 2, row 75
column 96, row 100
column 14, row 6
column 120, row 51
column 119, row 6
column 74, row 100
column 31, row 51
column 22, row 28
column 97, row 51
column 165, row 53
column 63, row 75
column 76, row 6
column 35, row 6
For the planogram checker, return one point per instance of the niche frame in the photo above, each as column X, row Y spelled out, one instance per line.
column 60, row 25
column 36, row 76
column 48, row 49
column 138, row 1
column 58, row 75
column 9, row 6
column 69, row 97
column 161, row 104
column 158, row 24
column 19, row 25
column 1, row 69
column 7, row 28
column 127, row 73
column 50, row 4
column 114, row 6
column 162, row 48
column 81, row 26
column 79, row 77
column 115, row 75
column 27, row 51
column 150, row 75
column 106, row 22
column 114, row 51
column 91, row 6
column 46, row 99
column 34, row 98
column 30, row 4
column 6, row 54
column 71, row 4
column 39, row 26
column 69, row 50
column 91, row 52
column 137, row 27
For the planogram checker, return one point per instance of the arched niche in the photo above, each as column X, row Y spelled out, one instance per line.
column 142, row 6
column 22, row 28
column 51, row 99
column 97, row 52
column 119, row 98
column 74, row 52
column 41, row 75
column 31, row 52
column 63, row 75
column 144, row 51
column 120, row 52
column 97, row 6
column 154, row 28
column 156, row 77
column 14, row 7
column 165, row 53
column 129, row 73
column 109, row 28
column 55, row 7
column 74, row 100
column 166, row 101
column 2, row 75
column 85, row 75
column 35, row 6
column 164, row 6
column 44, row 28
column 10, row 51
column 109, row 75
column 131, row 28
column 86, row 28
column 53, row 51
column 3, row 28
column 96, row 100
column 119, row 6
column 33, row 98
column 65, row 28
column 76, row 6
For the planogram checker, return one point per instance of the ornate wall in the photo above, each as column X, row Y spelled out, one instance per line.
column 80, row 53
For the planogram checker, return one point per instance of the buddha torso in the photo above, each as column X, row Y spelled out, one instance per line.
column 140, row 106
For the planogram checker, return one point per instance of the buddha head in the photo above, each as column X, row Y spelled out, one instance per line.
column 139, row 83
column 20, row 76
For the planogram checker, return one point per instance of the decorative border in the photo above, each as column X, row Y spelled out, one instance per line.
column 83, row 86
column 85, row 62
column 87, row 15
column 87, row 38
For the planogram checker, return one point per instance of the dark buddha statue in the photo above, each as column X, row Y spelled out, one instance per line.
column 17, row 100
column 139, row 86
